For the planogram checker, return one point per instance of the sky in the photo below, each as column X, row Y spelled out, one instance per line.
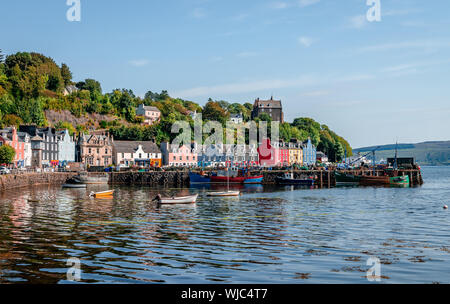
column 371, row 82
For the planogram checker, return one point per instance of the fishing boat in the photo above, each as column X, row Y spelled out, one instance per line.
column 87, row 179
column 228, row 179
column 345, row 179
column 108, row 193
column 225, row 193
column 254, row 179
column 375, row 181
column 288, row 179
column 196, row 178
column 400, row 181
column 191, row 199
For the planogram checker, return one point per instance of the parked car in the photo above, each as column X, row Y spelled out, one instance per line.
column 4, row 170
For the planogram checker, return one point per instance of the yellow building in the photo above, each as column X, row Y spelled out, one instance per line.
column 295, row 153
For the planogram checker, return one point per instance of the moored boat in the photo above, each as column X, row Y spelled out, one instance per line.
column 74, row 186
column 345, row 179
column 288, row 179
column 375, row 181
column 400, row 181
column 225, row 193
column 254, row 179
column 191, row 199
column 196, row 178
column 228, row 179
column 108, row 194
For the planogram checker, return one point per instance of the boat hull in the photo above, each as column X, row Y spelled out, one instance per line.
column 198, row 179
column 400, row 181
column 225, row 179
column 103, row 194
column 290, row 181
column 224, row 194
column 254, row 180
column 191, row 199
column 74, row 186
column 343, row 179
column 375, row 181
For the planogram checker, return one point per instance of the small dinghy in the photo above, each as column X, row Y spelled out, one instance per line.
column 108, row 193
column 191, row 199
column 74, row 186
column 225, row 193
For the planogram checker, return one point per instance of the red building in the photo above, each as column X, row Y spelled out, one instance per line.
column 9, row 137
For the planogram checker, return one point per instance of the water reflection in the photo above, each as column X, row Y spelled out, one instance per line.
column 268, row 235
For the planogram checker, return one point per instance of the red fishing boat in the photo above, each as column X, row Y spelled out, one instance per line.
column 228, row 179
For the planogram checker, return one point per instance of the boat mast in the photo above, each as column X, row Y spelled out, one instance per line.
column 396, row 156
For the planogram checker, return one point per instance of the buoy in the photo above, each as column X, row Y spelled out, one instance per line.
column 445, row 207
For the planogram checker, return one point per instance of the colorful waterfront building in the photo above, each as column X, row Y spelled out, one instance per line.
column 176, row 156
column 283, row 153
column 95, row 149
column 268, row 153
column 139, row 153
column 49, row 138
column 26, row 139
column 295, row 153
column 9, row 137
column 309, row 153
column 66, row 147
column 150, row 114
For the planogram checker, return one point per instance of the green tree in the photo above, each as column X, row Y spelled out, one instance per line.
column 213, row 111
column 7, row 154
column 66, row 74
column 63, row 125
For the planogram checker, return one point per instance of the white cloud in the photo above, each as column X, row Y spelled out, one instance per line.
column 266, row 85
column 278, row 5
column 305, row 41
column 304, row 3
column 421, row 44
column 139, row 63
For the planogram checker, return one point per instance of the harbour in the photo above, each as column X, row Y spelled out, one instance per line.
column 299, row 235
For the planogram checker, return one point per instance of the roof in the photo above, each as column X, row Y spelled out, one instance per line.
column 121, row 146
column 149, row 108
column 271, row 103
column 236, row 115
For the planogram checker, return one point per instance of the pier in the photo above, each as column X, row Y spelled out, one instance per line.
column 323, row 178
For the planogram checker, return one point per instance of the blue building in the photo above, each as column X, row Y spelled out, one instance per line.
column 66, row 145
column 309, row 153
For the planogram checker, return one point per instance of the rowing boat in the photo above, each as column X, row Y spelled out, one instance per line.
column 225, row 193
column 108, row 193
column 191, row 199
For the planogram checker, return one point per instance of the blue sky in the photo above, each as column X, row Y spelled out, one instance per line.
column 373, row 83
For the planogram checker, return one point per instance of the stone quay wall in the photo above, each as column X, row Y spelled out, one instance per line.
column 10, row 181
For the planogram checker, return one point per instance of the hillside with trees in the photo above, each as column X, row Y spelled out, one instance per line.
column 34, row 90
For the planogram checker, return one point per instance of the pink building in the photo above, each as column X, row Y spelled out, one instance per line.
column 9, row 137
column 176, row 156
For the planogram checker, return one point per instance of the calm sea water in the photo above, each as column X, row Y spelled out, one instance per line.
column 269, row 235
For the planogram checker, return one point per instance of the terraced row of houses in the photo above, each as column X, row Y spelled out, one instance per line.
column 46, row 147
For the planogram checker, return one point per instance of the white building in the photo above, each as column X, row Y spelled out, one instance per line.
column 26, row 139
column 237, row 118
column 150, row 114
column 140, row 153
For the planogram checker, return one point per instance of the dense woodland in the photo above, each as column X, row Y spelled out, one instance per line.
column 31, row 83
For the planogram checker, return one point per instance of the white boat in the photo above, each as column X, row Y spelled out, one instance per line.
column 191, row 199
column 225, row 193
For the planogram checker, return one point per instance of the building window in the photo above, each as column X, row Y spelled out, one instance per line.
column 90, row 151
